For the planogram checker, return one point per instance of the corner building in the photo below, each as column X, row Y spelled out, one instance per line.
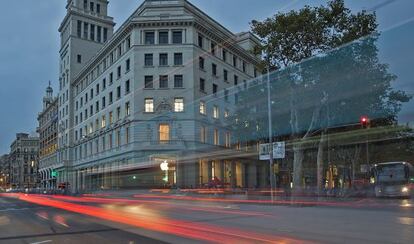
column 158, row 91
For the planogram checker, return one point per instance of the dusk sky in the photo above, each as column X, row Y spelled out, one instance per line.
column 29, row 44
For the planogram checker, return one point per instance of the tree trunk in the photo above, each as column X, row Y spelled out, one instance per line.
column 298, row 155
column 319, row 163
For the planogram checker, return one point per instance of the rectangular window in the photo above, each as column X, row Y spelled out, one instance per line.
column 224, row 55
column 103, row 122
column 203, row 109
column 92, row 32
column 105, row 34
column 226, row 113
column 226, row 95
column 79, row 58
column 215, row 88
column 111, row 118
column 213, row 48
column 179, row 105
column 97, row 89
column 85, row 4
column 164, row 133
column 163, row 81
column 127, row 135
column 228, row 142
column 127, row 87
column 127, row 109
column 234, row 61
column 163, row 59
column 119, row 71
column 118, row 113
column 92, row 94
column 149, row 84
column 111, row 98
column 149, row 105
column 97, row 106
column 149, row 38
column 103, row 143
column 200, row 41
column 244, row 67
column 178, row 81
column 149, row 59
column 226, row 75
column 178, row 59
column 111, row 78
column 177, row 37
column 85, row 30
column 103, row 102
column 92, row 6
column 236, row 80
column 128, row 42
column 202, row 85
column 163, row 37
column 201, row 62
column 216, row 137
column 118, row 92
column 98, row 8
column 214, row 69
column 99, row 34
column 79, row 29
column 110, row 141
column 216, row 112
column 203, row 134
column 128, row 65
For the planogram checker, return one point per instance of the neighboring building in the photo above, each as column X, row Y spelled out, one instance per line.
column 159, row 90
column 4, row 172
column 24, row 161
column 48, row 129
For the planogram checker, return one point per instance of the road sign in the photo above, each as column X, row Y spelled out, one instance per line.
column 279, row 150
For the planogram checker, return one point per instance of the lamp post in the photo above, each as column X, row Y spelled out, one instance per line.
column 269, row 111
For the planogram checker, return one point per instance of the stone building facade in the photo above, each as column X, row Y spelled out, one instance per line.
column 48, row 129
column 158, row 91
column 24, row 162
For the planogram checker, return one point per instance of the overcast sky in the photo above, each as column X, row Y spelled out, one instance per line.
column 29, row 44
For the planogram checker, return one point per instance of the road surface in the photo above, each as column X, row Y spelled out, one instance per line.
column 157, row 218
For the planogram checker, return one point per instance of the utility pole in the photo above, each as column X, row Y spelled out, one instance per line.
column 269, row 110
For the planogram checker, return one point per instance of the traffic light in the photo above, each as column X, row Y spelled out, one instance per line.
column 364, row 121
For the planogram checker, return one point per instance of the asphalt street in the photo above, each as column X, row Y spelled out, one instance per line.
column 152, row 218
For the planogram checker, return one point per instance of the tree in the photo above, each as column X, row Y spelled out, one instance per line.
column 305, row 89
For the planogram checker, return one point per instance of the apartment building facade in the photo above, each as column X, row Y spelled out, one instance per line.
column 149, row 105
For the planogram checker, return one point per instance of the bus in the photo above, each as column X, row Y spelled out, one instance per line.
column 393, row 179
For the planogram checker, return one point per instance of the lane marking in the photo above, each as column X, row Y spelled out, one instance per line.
column 40, row 242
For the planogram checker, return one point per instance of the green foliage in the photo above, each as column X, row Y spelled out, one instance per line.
column 291, row 37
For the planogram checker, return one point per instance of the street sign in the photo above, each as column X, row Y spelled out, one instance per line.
column 264, row 151
column 279, row 150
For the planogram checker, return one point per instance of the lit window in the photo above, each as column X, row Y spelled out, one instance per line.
column 228, row 142
column 164, row 132
column 127, row 109
column 203, row 108
column 216, row 112
column 203, row 134
column 178, row 105
column 149, row 105
column 216, row 137
column 226, row 113
column 103, row 122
